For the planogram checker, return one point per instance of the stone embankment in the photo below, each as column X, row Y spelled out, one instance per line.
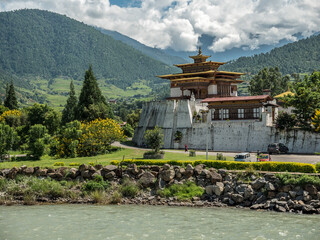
column 221, row 187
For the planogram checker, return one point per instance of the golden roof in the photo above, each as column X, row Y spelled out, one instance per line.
column 287, row 93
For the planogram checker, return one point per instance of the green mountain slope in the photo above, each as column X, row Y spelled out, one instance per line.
column 48, row 45
column 298, row 57
column 154, row 53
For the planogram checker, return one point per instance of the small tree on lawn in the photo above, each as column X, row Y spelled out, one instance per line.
column 36, row 143
column 7, row 139
column 154, row 138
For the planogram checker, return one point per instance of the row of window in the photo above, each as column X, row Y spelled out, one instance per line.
column 242, row 113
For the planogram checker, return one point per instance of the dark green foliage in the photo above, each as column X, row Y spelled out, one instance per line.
column 129, row 188
column 7, row 138
column 10, row 100
column 270, row 79
column 97, row 184
column 36, row 144
column 184, row 191
column 177, row 136
column 306, row 99
column 46, row 44
column 298, row 57
column 92, row 104
column 318, row 164
column 69, row 111
column 128, row 130
column 133, row 118
column 3, row 109
column 154, row 138
column 301, row 180
column 44, row 115
column 285, row 121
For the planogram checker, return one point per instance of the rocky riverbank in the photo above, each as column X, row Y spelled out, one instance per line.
column 222, row 188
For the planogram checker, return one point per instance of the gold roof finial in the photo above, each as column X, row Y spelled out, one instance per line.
column 200, row 52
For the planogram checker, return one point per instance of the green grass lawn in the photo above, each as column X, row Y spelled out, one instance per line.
column 47, row 161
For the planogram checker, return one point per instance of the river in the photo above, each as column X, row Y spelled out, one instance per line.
column 94, row 222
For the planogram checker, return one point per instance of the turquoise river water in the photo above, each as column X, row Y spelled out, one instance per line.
column 91, row 222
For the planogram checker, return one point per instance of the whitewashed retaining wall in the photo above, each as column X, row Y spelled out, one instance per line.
column 237, row 136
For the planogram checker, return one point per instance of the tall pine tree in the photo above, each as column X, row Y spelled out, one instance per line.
column 10, row 100
column 92, row 104
column 69, row 111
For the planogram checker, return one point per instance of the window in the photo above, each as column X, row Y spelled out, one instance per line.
column 224, row 113
column 256, row 113
column 240, row 113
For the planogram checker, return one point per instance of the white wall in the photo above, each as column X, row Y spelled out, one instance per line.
column 212, row 89
column 232, row 135
column 175, row 92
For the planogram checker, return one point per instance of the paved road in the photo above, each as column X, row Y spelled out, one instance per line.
column 313, row 159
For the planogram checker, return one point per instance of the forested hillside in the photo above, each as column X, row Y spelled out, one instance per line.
column 43, row 44
column 154, row 53
column 302, row 56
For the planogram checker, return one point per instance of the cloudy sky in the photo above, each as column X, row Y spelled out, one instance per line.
column 178, row 24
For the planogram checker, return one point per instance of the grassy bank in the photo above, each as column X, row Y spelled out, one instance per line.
column 47, row 161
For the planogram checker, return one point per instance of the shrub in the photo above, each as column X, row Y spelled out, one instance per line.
column 97, row 184
column 177, row 136
column 128, row 130
column 285, row 121
column 129, row 189
column 220, row 156
column 154, row 138
column 318, row 167
column 192, row 153
column 98, row 135
column 58, row 164
column 184, row 191
column 115, row 197
column 153, row 155
column 36, row 145
column 301, row 180
column 231, row 165
column 74, row 164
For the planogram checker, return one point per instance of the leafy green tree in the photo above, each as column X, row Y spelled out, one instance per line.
column 154, row 138
column 268, row 79
column 7, row 139
column 10, row 100
column 128, row 130
column 133, row 118
column 69, row 111
column 306, row 99
column 44, row 115
column 67, row 142
column 36, row 140
column 286, row 121
column 92, row 104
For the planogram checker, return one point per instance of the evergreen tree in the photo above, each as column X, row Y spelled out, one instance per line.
column 69, row 111
column 10, row 100
column 269, row 78
column 92, row 104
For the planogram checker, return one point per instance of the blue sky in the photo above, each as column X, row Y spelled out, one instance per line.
column 179, row 24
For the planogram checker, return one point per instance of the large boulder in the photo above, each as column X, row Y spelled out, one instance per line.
column 248, row 192
column 147, row 179
column 259, row 183
column 83, row 167
column 168, row 175
column 189, row 171
column 214, row 176
column 311, row 189
column 218, row 188
column 238, row 198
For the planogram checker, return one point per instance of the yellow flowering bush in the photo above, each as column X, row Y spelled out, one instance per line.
column 98, row 135
column 13, row 118
column 316, row 120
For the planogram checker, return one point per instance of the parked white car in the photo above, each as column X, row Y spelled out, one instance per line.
column 243, row 157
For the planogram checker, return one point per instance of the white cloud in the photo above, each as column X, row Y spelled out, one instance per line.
column 178, row 24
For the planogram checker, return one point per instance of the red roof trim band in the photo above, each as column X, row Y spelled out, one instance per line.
column 240, row 98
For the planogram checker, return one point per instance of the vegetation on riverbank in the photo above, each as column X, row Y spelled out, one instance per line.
column 231, row 165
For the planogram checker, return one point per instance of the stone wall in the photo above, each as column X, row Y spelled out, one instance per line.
column 233, row 135
column 221, row 187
